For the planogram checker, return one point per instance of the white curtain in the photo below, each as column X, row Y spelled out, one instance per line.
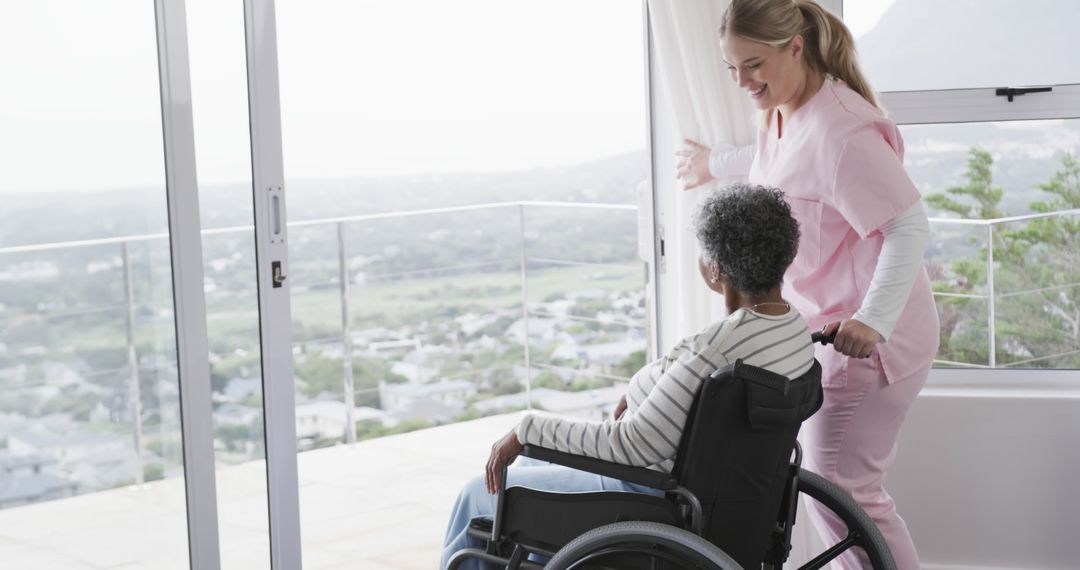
column 704, row 105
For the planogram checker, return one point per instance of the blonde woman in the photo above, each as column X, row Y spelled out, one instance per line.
column 839, row 160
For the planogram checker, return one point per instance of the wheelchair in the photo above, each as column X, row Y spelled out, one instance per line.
column 717, row 513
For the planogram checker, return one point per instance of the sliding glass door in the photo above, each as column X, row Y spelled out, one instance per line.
column 96, row 340
column 133, row 323
column 467, row 246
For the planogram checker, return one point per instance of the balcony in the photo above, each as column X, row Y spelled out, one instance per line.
column 387, row 505
column 92, row 320
column 1007, row 290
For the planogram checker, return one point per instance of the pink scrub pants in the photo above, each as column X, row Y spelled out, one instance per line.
column 851, row 441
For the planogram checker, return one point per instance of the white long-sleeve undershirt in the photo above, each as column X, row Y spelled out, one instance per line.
column 727, row 161
column 898, row 265
column 901, row 252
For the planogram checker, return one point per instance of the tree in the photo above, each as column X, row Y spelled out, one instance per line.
column 153, row 472
column 369, row 429
column 630, row 365
column 963, row 334
column 233, row 436
column 549, row 379
column 326, row 374
column 980, row 188
column 1050, row 249
column 1036, row 271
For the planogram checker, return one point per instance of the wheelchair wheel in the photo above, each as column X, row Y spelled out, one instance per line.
column 862, row 532
column 610, row 545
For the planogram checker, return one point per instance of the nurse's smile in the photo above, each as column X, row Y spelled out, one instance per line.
column 773, row 76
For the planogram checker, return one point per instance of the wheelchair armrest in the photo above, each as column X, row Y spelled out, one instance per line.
column 636, row 475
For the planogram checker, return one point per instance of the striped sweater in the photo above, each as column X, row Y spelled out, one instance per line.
column 660, row 394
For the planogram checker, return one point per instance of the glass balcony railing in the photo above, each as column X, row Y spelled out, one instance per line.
column 455, row 313
column 1007, row 290
column 444, row 315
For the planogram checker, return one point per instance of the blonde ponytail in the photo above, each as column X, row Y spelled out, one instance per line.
column 832, row 48
column 829, row 46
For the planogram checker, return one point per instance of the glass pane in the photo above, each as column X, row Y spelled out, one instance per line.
column 1023, row 177
column 427, row 132
column 586, row 309
column 89, row 392
column 907, row 45
column 1037, row 290
column 223, row 152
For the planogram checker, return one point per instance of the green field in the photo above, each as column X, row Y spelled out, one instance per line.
column 405, row 302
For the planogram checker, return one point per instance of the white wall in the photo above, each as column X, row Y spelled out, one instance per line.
column 990, row 477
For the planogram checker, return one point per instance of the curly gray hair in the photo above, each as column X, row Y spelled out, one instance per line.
column 750, row 232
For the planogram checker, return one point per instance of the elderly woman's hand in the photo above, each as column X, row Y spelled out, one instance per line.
column 853, row 338
column 502, row 454
column 620, row 408
column 692, row 164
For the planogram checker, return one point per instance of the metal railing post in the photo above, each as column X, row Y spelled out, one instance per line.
column 133, row 364
column 346, row 337
column 525, row 307
column 990, row 309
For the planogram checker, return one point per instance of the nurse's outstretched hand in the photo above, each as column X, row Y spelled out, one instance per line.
column 853, row 338
column 692, row 164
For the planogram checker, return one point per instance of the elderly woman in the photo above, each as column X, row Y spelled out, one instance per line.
column 748, row 238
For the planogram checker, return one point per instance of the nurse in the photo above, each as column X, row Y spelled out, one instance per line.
column 826, row 143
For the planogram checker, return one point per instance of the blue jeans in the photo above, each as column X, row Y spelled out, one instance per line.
column 474, row 500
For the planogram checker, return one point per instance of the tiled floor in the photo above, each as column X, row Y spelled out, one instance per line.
column 379, row 505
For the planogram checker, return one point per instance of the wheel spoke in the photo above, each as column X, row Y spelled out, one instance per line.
column 861, row 529
column 638, row 539
column 837, row 549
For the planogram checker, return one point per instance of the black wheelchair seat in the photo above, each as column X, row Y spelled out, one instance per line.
column 547, row 521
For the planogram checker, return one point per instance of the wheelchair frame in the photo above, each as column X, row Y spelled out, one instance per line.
column 768, row 408
column 861, row 530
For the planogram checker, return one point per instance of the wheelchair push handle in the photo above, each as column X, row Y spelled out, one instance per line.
column 821, row 337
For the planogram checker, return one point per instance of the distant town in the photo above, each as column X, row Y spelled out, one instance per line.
column 438, row 319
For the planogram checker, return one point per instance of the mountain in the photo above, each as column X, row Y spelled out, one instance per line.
column 43, row 217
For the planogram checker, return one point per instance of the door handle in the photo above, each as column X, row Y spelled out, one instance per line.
column 277, row 275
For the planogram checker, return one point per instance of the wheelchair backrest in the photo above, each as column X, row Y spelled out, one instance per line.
column 736, row 450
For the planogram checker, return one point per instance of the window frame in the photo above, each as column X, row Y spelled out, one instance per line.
column 984, row 105
column 189, row 301
column 271, row 256
column 980, row 105
column 971, row 105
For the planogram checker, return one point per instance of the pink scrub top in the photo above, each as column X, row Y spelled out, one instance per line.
column 840, row 166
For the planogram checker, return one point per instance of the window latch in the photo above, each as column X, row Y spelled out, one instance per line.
column 1011, row 92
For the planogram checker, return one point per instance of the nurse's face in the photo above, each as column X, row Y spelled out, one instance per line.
column 772, row 76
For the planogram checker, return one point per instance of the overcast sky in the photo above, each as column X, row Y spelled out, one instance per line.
column 368, row 88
